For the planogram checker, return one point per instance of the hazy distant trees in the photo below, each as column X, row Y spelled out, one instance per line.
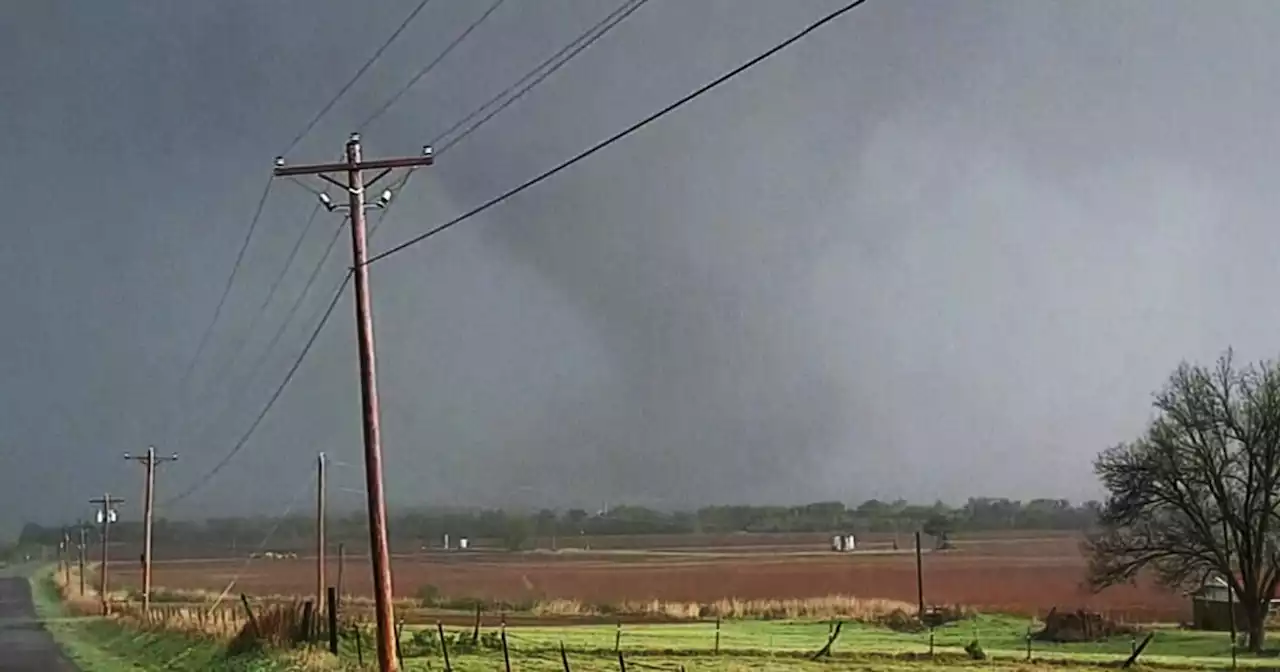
column 517, row 529
column 1196, row 495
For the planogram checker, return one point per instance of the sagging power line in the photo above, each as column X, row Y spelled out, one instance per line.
column 697, row 93
column 426, row 69
column 541, row 71
column 355, row 78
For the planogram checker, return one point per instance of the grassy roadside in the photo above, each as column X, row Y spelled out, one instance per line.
column 97, row 644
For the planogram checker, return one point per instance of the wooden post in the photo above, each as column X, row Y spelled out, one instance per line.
column 80, row 560
column 320, row 523
column 342, row 552
column 617, row 639
column 359, row 645
column 506, row 657
column 717, row 635
column 919, row 577
column 399, row 652
column 248, row 610
column 332, row 613
column 308, row 613
column 444, row 646
column 564, row 658
column 475, row 634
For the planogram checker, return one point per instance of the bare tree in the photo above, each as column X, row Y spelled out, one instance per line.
column 1196, row 495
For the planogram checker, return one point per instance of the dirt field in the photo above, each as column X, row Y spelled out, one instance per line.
column 1010, row 574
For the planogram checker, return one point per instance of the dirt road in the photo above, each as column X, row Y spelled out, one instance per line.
column 25, row 646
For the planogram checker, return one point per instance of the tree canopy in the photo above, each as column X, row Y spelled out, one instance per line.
column 1196, row 495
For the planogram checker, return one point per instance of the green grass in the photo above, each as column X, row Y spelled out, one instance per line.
column 1002, row 638
column 101, row 645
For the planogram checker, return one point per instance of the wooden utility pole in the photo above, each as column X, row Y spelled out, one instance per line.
column 65, row 557
column 919, row 576
column 354, row 167
column 106, row 517
column 80, row 559
column 148, row 499
column 320, row 545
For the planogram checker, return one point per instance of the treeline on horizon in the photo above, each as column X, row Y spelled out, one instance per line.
column 522, row 529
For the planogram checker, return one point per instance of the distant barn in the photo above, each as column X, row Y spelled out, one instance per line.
column 1210, row 610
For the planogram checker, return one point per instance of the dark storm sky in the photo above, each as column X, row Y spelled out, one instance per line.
column 935, row 250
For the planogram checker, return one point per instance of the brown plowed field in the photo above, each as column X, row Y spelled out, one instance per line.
column 1012, row 574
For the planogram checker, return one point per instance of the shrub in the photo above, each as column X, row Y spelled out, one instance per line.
column 428, row 595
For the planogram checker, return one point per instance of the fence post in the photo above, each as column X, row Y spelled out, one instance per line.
column 717, row 635
column 1028, row 642
column 331, row 597
column 564, row 658
column 399, row 652
column 506, row 657
column 359, row 644
column 308, row 608
column 617, row 641
column 253, row 622
column 444, row 646
column 475, row 634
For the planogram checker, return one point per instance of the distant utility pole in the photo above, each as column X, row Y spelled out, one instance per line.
column 354, row 167
column 106, row 517
column 320, row 520
column 65, row 557
column 149, row 460
column 81, row 553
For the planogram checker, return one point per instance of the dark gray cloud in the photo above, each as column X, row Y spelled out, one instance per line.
column 934, row 250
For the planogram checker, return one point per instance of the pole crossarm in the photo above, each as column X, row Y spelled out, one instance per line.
column 379, row 164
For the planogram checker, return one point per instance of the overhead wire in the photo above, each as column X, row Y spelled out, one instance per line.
column 588, row 38
column 700, row 91
column 259, row 364
column 275, row 396
column 247, row 334
column 608, row 21
column 359, row 73
column 217, row 311
column 382, row 109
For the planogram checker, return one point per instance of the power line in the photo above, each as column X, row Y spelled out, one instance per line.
column 244, row 439
column 430, row 66
column 623, row 133
column 259, row 364
column 359, row 73
column 222, row 300
column 247, row 334
column 529, row 75
column 581, row 43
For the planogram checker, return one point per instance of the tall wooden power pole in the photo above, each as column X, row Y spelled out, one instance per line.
column 354, row 167
column 320, row 544
column 106, row 517
column 149, row 460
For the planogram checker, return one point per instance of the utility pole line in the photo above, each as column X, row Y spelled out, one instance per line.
column 354, row 167
column 149, row 460
column 65, row 557
column 320, row 544
column 106, row 517
column 81, row 553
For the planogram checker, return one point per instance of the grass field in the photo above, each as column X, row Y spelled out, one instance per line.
column 100, row 645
